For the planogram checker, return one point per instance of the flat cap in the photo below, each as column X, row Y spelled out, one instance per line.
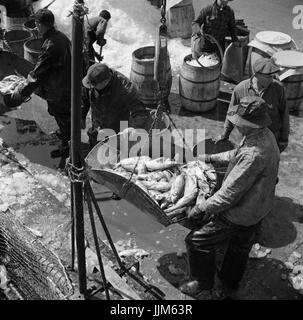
column 265, row 66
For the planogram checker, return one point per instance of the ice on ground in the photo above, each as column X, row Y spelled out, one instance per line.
column 134, row 24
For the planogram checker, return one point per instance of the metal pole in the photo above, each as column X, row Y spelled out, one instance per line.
column 77, row 188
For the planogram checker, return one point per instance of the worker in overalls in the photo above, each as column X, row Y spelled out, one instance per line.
column 233, row 214
column 217, row 20
column 264, row 84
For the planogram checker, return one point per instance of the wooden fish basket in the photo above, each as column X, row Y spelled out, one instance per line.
column 126, row 189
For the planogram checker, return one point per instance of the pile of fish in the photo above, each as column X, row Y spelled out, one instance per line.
column 9, row 83
column 175, row 187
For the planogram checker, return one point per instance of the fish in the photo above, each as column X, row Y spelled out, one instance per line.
column 190, row 194
column 160, row 164
column 176, row 212
column 177, row 187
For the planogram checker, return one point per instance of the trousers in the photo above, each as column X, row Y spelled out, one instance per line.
column 202, row 244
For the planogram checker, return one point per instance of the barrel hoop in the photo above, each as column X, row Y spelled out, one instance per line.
column 198, row 82
column 295, row 81
column 146, row 74
column 199, row 100
column 297, row 98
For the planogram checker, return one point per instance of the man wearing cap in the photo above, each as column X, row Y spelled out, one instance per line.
column 232, row 215
column 95, row 29
column 51, row 77
column 217, row 20
column 113, row 98
column 263, row 84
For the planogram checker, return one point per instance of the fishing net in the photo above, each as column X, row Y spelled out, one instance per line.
column 35, row 271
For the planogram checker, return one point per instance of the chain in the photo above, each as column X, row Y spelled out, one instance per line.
column 75, row 174
column 163, row 12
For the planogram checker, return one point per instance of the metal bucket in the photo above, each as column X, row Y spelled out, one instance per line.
column 32, row 50
column 16, row 36
column 31, row 25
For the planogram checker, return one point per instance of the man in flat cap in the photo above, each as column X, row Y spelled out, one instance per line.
column 263, row 84
column 217, row 20
column 113, row 98
column 51, row 77
column 233, row 214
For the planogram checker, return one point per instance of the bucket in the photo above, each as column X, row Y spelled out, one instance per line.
column 291, row 76
column 142, row 75
column 31, row 25
column 32, row 49
column 267, row 43
column 179, row 20
column 16, row 36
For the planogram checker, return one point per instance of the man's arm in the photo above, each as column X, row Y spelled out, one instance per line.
column 228, row 126
column 199, row 21
column 40, row 72
column 239, row 180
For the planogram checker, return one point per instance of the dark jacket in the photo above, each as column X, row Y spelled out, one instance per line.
column 278, row 111
column 95, row 29
column 218, row 23
column 52, row 73
column 248, row 190
column 117, row 102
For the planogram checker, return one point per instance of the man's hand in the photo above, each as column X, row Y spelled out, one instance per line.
column 195, row 213
column 237, row 44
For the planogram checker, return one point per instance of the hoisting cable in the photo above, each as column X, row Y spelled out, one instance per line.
column 160, row 76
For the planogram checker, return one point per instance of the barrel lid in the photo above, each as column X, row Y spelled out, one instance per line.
column 289, row 59
column 273, row 37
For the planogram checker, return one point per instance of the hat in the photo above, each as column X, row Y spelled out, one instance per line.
column 250, row 112
column 265, row 66
column 105, row 14
column 44, row 16
column 96, row 73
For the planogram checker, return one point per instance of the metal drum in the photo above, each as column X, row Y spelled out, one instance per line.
column 291, row 75
column 267, row 43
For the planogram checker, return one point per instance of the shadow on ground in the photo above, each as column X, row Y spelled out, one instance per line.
column 262, row 279
column 277, row 229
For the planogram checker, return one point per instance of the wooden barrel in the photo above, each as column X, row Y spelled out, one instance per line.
column 294, row 92
column 32, row 49
column 142, row 75
column 199, row 86
column 266, row 44
column 16, row 36
column 291, row 75
column 179, row 20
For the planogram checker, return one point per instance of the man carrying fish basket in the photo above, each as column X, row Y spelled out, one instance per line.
column 233, row 214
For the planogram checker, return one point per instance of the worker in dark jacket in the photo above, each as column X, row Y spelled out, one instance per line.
column 233, row 214
column 95, row 29
column 113, row 98
column 217, row 20
column 263, row 84
column 52, row 77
